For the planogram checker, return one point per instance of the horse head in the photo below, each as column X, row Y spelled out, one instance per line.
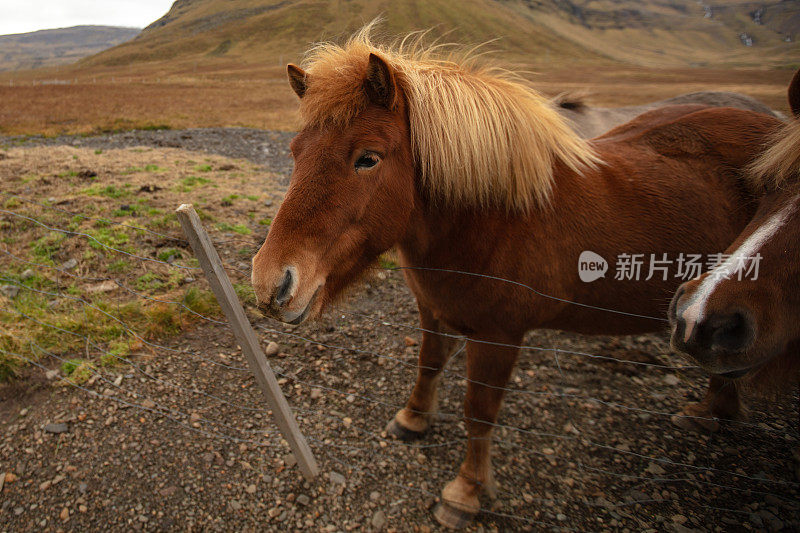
column 350, row 196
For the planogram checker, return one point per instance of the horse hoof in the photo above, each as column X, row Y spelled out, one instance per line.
column 452, row 517
column 394, row 429
column 696, row 425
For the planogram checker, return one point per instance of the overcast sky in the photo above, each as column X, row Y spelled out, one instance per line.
column 21, row 16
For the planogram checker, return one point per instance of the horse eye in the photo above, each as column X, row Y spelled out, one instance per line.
column 366, row 161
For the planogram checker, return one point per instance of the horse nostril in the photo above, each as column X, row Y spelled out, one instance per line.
column 284, row 289
column 733, row 332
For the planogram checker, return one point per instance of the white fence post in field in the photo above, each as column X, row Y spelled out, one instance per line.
column 221, row 285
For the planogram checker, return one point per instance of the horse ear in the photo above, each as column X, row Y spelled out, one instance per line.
column 794, row 94
column 380, row 82
column 297, row 79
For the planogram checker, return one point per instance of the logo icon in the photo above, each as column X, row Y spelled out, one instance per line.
column 591, row 266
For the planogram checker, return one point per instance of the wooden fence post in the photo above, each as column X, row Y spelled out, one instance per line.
column 226, row 296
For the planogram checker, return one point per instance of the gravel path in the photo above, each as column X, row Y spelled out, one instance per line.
column 179, row 440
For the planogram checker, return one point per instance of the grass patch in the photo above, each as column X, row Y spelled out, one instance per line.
column 44, row 247
column 202, row 302
column 109, row 237
column 190, row 183
column 94, row 314
column 109, row 191
column 120, row 266
column 155, row 127
column 149, row 282
column 78, row 370
column 241, row 229
column 387, row 263
column 125, row 211
column 173, row 253
column 245, row 293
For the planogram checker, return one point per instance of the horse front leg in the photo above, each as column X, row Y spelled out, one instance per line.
column 722, row 400
column 489, row 368
column 414, row 419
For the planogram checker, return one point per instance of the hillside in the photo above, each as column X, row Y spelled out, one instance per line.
column 657, row 33
column 62, row 46
column 542, row 33
column 220, row 63
column 251, row 31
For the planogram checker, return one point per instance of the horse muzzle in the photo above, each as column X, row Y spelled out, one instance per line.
column 285, row 299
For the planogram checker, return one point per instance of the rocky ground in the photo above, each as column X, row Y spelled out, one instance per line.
column 178, row 438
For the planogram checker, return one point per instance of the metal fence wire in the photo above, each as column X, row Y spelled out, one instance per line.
column 584, row 441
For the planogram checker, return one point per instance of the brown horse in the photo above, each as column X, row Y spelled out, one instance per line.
column 462, row 168
column 591, row 121
column 741, row 321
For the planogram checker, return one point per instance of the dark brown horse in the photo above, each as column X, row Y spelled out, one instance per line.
column 461, row 168
column 741, row 321
column 591, row 121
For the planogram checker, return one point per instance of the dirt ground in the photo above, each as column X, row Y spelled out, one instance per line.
column 178, row 438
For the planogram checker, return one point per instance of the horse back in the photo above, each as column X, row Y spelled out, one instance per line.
column 649, row 120
column 735, row 136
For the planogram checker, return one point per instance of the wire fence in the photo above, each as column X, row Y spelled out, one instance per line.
column 584, row 441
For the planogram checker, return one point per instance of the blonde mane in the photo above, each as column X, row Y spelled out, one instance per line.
column 480, row 136
column 780, row 162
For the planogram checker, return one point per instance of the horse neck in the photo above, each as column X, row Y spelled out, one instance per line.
column 439, row 234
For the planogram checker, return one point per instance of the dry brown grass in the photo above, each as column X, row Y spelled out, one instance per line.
column 90, row 107
column 261, row 98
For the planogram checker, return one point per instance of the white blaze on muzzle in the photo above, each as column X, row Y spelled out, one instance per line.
column 693, row 310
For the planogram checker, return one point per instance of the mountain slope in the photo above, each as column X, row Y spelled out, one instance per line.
column 59, row 46
column 253, row 30
column 538, row 32
column 677, row 32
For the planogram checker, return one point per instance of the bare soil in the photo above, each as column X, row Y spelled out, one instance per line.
column 179, row 438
